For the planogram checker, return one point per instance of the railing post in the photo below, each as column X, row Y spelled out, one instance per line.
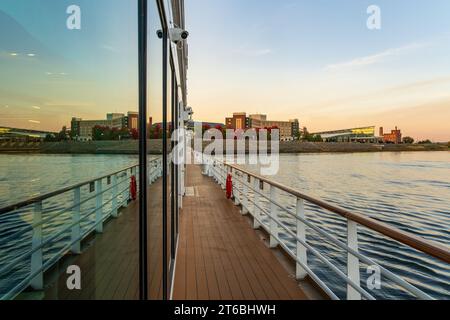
column 352, row 261
column 76, row 229
column 223, row 176
column 257, row 203
column 37, row 282
column 133, row 173
column 244, row 194
column 274, row 215
column 115, row 190
column 235, row 186
column 210, row 168
column 99, row 206
column 300, row 273
column 151, row 173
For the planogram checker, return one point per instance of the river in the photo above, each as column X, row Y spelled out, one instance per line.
column 408, row 190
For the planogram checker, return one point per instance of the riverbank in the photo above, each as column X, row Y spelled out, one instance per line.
column 320, row 147
column 155, row 147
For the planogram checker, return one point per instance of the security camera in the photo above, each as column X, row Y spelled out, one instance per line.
column 159, row 33
column 178, row 34
column 187, row 114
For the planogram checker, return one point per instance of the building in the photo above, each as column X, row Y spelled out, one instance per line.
column 362, row 134
column 132, row 120
column 288, row 129
column 238, row 121
column 394, row 137
column 82, row 129
column 23, row 135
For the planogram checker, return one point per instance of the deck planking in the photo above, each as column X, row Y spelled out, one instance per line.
column 220, row 256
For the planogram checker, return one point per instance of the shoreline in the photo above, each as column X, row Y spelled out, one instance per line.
column 130, row 147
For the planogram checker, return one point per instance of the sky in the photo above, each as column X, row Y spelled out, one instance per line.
column 49, row 73
column 317, row 61
column 314, row 60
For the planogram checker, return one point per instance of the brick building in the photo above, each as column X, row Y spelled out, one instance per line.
column 394, row 137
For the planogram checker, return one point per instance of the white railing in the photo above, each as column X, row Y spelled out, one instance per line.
column 116, row 185
column 248, row 193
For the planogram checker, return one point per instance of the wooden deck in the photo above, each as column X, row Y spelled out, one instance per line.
column 109, row 261
column 220, row 256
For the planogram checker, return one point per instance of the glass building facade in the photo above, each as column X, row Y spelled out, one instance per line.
column 93, row 218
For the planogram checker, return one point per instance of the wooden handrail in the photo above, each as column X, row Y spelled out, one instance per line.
column 426, row 246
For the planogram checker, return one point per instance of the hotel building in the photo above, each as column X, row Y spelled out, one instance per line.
column 288, row 129
column 82, row 129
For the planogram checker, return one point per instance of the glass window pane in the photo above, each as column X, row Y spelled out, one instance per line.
column 68, row 111
column 155, row 197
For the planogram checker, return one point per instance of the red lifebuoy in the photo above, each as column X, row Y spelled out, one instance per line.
column 133, row 188
column 229, row 186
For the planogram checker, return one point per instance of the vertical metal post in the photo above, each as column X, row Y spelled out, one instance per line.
column 235, row 186
column 115, row 190
column 223, row 173
column 300, row 273
column 352, row 261
column 37, row 282
column 99, row 206
column 76, row 228
column 150, row 173
column 142, row 71
column 164, row 165
column 257, row 203
column 129, row 188
column 244, row 195
column 274, row 215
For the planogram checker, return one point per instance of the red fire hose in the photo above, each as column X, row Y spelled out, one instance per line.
column 133, row 188
column 229, row 186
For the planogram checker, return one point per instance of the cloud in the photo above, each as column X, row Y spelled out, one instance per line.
column 253, row 52
column 69, row 104
column 402, row 90
column 109, row 48
column 374, row 59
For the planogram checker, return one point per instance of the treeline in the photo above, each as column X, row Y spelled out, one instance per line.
column 99, row 133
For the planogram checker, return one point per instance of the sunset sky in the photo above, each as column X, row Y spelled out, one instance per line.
column 314, row 60
column 317, row 61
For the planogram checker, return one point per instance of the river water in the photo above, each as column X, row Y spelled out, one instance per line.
column 408, row 190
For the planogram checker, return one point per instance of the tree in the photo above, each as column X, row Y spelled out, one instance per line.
column 62, row 135
column 427, row 141
column 408, row 140
column 134, row 134
column 107, row 133
column 50, row 137
column 306, row 136
column 155, row 131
